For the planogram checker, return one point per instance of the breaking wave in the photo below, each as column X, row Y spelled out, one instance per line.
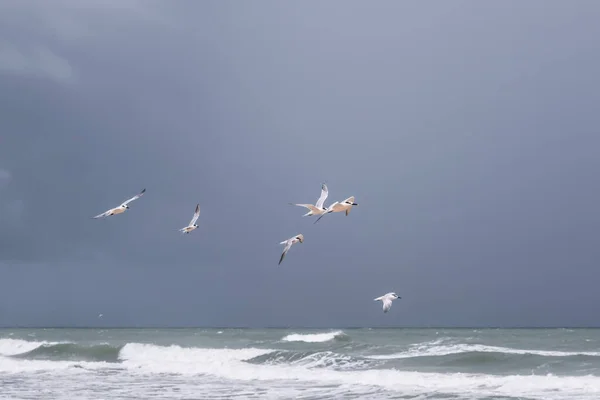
column 313, row 359
column 315, row 337
column 58, row 351
column 274, row 365
column 315, row 368
column 434, row 350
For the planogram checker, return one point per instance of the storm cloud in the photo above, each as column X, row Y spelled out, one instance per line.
column 468, row 133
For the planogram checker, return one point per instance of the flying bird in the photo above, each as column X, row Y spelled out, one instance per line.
column 192, row 225
column 122, row 208
column 100, row 315
column 318, row 208
column 387, row 299
column 345, row 205
column 288, row 244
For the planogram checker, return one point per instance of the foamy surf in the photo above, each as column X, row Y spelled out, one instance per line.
column 314, row 337
column 277, row 364
column 232, row 365
column 426, row 350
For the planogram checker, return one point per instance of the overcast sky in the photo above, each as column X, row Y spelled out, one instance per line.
column 467, row 131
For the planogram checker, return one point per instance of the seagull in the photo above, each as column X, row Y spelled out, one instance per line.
column 318, row 208
column 122, row 208
column 192, row 225
column 345, row 205
column 386, row 299
column 288, row 244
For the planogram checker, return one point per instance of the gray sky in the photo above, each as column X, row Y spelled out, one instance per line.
column 468, row 132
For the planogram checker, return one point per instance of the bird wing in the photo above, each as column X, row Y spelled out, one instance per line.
column 104, row 214
column 309, row 206
column 137, row 196
column 196, row 215
column 288, row 246
column 330, row 209
column 324, row 194
column 337, row 207
column 387, row 304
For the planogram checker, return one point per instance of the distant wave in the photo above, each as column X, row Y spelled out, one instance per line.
column 315, row 337
column 434, row 349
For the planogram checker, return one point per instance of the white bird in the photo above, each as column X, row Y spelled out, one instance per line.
column 288, row 244
column 318, row 208
column 100, row 315
column 122, row 208
column 192, row 225
column 387, row 299
column 345, row 205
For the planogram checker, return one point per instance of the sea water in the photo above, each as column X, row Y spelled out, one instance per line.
column 365, row 363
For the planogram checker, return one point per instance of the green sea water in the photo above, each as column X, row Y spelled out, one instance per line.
column 548, row 364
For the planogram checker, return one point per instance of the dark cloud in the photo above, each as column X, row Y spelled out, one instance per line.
column 466, row 132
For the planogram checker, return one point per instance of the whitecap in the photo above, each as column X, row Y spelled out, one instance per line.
column 313, row 337
column 230, row 364
column 432, row 350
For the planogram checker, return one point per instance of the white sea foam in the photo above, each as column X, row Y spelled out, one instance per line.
column 433, row 349
column 312, row 337
column 14, row 366
column 229, row 364
column 11, row 347
column 228, row 367
column 321, row 359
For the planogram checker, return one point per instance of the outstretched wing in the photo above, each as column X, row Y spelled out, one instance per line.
column 196, row 215
column 288, row 246
column 324, row 194
column 137, row 196
column 337, row 207
column 309, row 206
column 387, row 304
column 330, row 209
column 104, row 214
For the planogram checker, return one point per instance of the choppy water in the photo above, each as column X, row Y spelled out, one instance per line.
column 309, row 364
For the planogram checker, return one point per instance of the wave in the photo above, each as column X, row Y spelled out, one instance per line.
column 11, row 347
column 73, row 352
column 241, row 365
column 315, row 337
column 58, row 351
column 313, row 359
column 434, row 350
column 320, row 369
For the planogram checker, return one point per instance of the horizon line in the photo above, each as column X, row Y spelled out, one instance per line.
column 295, row 327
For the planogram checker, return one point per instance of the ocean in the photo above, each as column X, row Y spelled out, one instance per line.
column 300, row 364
